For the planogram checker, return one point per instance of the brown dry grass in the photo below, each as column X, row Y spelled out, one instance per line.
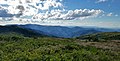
column 113, row 45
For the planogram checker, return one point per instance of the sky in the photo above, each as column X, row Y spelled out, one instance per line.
column 98, row 13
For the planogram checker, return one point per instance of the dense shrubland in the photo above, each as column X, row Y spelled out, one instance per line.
column 105, row 36
column 15, row 47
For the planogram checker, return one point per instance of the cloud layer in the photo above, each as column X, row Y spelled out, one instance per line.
column 69, row 14
column 43, row 9
column 28, row 7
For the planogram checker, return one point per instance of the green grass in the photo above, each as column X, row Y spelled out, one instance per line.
column 104, row 36
column 20, row 48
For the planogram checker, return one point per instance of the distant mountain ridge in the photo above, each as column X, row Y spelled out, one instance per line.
column 66, row 32
column 53, row 31
column 9, row 29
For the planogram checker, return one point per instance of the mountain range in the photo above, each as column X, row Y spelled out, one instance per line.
column 54, row 31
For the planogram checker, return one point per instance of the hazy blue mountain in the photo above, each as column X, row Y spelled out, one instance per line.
column 66, row 32
column 56, row 31
column 14, row 29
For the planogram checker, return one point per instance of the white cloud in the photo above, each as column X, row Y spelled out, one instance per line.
column 100, row 1
column 116, row 15
column 109, row 14
column 29, row 7
column 68, row 15
column 44, row 10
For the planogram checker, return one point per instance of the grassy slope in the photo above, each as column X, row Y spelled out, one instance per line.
column 101, row 36
column 20, row 48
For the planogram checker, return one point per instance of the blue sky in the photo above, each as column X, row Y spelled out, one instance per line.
column 109, row 6
column 100, row 13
